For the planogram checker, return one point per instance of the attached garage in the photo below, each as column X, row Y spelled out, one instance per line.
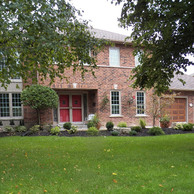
column 177, row 110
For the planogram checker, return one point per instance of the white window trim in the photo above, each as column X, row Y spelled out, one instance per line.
column 115, row 115
column 115, row 48
column 11, row 117
column 141, row 115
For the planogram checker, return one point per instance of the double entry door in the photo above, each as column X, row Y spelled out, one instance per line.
column 70, row 108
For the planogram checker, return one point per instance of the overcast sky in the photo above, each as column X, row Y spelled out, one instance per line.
column 104, row 15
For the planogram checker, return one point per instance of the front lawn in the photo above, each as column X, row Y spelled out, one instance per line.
column 34, row 165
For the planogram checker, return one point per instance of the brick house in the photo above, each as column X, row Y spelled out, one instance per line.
column 109, row 93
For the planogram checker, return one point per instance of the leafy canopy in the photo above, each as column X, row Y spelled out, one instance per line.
column 165, row 31
column 39, row 97
column 43, row 36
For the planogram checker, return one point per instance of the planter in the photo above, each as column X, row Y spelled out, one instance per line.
column 165, row 124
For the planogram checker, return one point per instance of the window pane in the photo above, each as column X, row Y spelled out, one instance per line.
column 16, row 105
column 4, row 105
column 114, row 57
column 115, row 103
column 140, row 103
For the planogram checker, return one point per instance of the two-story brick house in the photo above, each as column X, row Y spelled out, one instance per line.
column 109, row 94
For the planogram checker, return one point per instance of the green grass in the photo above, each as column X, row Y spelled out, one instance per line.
column 117, row 165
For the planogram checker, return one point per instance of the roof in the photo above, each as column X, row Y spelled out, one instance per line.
column 177, row 85
column 114, row 37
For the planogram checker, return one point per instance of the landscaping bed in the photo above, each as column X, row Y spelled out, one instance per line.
column 143, row 132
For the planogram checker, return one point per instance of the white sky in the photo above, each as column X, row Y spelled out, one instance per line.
column 104, row 15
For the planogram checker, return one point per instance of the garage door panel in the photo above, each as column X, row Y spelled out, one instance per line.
column 177, row 110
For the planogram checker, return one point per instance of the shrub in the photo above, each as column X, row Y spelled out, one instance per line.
column 142, row 123
column 114, row 133
column 94, row 122
column 67, row 125
column 9, row 129
column 179, row 126
column 187, row 127
column 92, row 131
column 109, row 126
column 90, row 124
column 136, row 128
column 73, row 130
column 35, row 128
column 132, row 133
column 55, row 130
column 39, row 97
column 122, row 124
column 20, row 129
column 156, row 131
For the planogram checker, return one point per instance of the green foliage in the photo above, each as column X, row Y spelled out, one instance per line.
column 35, row 128
column 187, row 127
column 55, row 130
column 9, row 129
column 132, row 133
column 142, row 123
column 122, row 124
column 92, row 131
column 136, row 128
column 20, row 129
column 156, row 131
column 109, row 126
column 39, row 97
column 114, row 133
column 94, row 122
column 37, row 34
column 179, row 126
column 164, row 29
column 73, row 130
column 67, row 125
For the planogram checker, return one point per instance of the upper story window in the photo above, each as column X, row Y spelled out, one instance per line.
column 115, row 103
column 10, row 105
column 114, row 56
column 140, row 103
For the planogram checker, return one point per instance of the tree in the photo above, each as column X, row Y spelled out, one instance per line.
column 158, row 104
column 165, row 31
column 44, row 37
column 39, row 98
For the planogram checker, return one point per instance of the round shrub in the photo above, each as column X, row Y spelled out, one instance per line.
column 136, row 128
column 109, row 126
column 90, row 124
column 187, row 127
column 55, row 130
column 9, row 129
column 156, row 131
column 122, row 124
column 67, row 125
column 114, row 133
column 35, row 128
column 93, row 131
column 132, row 133
column 20, row 129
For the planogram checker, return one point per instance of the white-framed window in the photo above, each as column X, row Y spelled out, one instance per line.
column 114, row 56
column 10, row 105
column 115, row 103
column 140, row 103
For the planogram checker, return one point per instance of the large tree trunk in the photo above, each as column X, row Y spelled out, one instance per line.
column 38, row 116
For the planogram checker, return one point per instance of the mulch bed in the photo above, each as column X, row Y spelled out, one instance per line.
column 144, row 132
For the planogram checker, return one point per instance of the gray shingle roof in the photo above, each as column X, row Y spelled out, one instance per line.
column 177, row 85
column 115, row 37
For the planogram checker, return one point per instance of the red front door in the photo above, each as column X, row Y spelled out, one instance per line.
column 70, row 108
